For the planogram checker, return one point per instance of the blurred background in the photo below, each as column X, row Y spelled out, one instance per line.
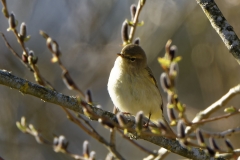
column 88, row 32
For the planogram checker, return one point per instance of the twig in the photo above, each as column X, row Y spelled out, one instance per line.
column 222, row 27
column 221, row 134
column 28, row 59
column 215, row 106
column 216, row 118
column 94, row 134
column 162, row 153
column 59, row 146
column 10, row 47
column 14, row 52
column 4, row 10
column 112, row 138
column 54, row 49
column 20, row 41
column 87, row 123
column 135, row 20
column 74, row 104
column 113, row 133
column 19, row 57
column 137, row 145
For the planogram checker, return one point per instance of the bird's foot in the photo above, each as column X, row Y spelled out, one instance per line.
column 145, row 125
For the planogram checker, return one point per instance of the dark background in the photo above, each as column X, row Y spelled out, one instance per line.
column 88, row 32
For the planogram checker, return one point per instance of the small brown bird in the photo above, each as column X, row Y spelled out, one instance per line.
column 132, row 86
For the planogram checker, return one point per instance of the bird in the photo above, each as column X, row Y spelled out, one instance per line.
column 132, row 86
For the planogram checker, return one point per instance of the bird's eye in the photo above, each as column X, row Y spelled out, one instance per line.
column 132, row 59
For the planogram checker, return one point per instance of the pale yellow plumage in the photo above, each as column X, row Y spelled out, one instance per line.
column 132, row 86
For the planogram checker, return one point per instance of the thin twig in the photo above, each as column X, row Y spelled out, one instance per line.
column 20, row 59
column 54, row 49
column 162, row 154
column 14, row 52
column 94, row 135
column 21, row 42
column 30, row 129
column 87, row 123
column 4, row 9
column 214, row 107
column 113, row 133
column 136, row 144
column 135, row 20
column 112, row 137
column 216, row 118
column 10, row 47
column 75, row 156
column 32, row 66
column 222, row 134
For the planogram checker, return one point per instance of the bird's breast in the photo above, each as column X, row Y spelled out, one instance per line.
column 134, row 92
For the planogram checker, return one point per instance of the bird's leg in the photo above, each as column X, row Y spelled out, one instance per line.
column 116, row 110
column 146, row 125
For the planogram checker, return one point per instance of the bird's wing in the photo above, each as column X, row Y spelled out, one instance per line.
column 153, row 80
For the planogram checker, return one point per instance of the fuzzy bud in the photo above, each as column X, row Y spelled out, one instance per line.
column 213, row 144
column 89, row 97
column 60, row 143
column 168, row 45
column 133, row 9
column 24, row 58
column 110, row 156
column 85, row 149
column 55, row 48
column 137, row 41
column 121, row 119
column 32, row 58
column 68, row 80
column 124, row 32
column 106, row 123
column 180, row 129
column 229, row 145
column 172, row 52
column 170, row 113
column 162, row 126
column 165, row 82
column 92, row 155
column 210, row 151
column 173, row 71
column 143, row 2
column 23, row 31
column 12, row 21
column 45, row 35
column 139, row 121
column 200, row 138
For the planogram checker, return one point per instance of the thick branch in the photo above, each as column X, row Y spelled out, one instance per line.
column 220, row 24
column 74, row 104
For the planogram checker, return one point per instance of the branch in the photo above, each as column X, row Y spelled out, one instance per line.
column 222, row 27
column 151, row 153
column 94, row 134
column 215, row 106
column 222, row 134
column 135, row 20
column 75, row 104
column 54, row 49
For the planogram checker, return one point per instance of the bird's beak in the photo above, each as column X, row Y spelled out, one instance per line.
column 119, row 54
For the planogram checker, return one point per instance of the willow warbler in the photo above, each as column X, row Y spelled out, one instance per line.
column 132, row 86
